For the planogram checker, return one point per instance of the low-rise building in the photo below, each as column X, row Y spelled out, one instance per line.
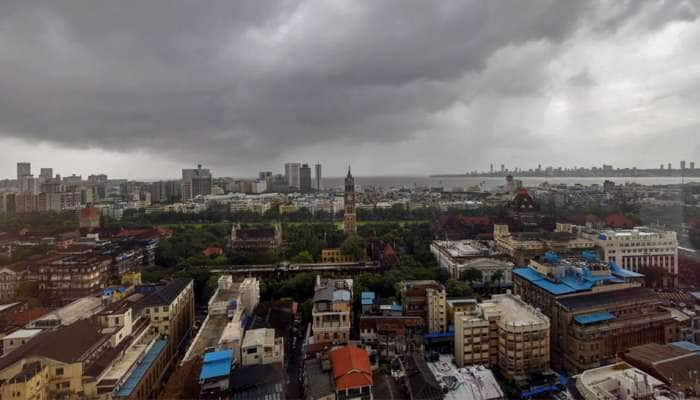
column 352, row 373
column 389, row 335
column 112, row 354
column 458, row 256
column 215, row 374
column 335, row 256
column 522, row 246
column 467, row 383
column 332, row 311
column 426, row 299
column 505, row 332
column 676, row 365
column 257, row 238
column 17, row 338
column 620, row 381
column 260, row 346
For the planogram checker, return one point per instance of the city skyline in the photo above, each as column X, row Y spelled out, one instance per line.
column 491, row 169
column 606, row 83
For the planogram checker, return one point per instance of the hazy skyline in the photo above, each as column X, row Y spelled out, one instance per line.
column 143, row 89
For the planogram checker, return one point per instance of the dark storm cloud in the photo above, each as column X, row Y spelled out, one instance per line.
column 246, row 79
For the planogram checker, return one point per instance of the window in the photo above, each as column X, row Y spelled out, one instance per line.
column 59, row 371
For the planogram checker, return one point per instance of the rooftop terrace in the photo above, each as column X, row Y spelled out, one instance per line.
column 473, row 383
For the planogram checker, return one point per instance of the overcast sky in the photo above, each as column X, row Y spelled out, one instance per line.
column 141, row 89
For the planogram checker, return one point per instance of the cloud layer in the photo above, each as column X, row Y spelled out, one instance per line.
column 391, row 86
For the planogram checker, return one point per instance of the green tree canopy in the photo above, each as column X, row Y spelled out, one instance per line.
column 355, row 246
column 304, row 257
column 472, row 275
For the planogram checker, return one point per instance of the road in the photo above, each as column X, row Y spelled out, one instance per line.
column 295, row 364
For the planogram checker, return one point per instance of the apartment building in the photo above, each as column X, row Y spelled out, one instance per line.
column 505, row 332
column 597, row 310
column 389, row 335
column 66, row 278
column 426, row 299
column 332, row 311
column 113, row 353
column 260, row 346
column 170, row 309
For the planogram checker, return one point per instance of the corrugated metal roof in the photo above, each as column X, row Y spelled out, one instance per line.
column 216, row 364
column 140, row 371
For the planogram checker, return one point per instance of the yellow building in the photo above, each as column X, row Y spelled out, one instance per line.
column 335, row 256
column 96, row 357
column 131, row 278
column 52, row 364
column 287, row 208
column 504, row 332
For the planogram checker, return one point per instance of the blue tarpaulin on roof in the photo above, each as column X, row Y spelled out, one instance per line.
column 563, row 380
column 594, row 317
column 367, row 295
column 589, row 256
column 624, row 273
column 687, row 346
column 140, row 371
column 217, row 364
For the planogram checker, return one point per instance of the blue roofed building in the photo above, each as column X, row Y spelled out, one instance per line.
column 597, row 309
column 216, row 371
column 367, row 299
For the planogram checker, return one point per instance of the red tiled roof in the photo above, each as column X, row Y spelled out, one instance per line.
column 16, row 320
column 212, row 251
column 618, row 221
column 351, row 368
column 89, row 212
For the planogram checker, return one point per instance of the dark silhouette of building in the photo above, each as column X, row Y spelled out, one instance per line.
column 305, row 178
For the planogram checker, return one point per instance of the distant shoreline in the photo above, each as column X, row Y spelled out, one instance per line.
column 517, row 176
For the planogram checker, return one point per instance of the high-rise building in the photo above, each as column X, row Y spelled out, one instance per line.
column 669, row 166
column 682, row 164
column 46, row 173
column 503, row 168
column 23, row 169
column 692, row 165
column 24, row 177
column 349, row 218
column 196, row 182
column 292, row 173
column 265, row 176
column 661, row 167
column 318, row 176
column 305, row 178
column 491, row 169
